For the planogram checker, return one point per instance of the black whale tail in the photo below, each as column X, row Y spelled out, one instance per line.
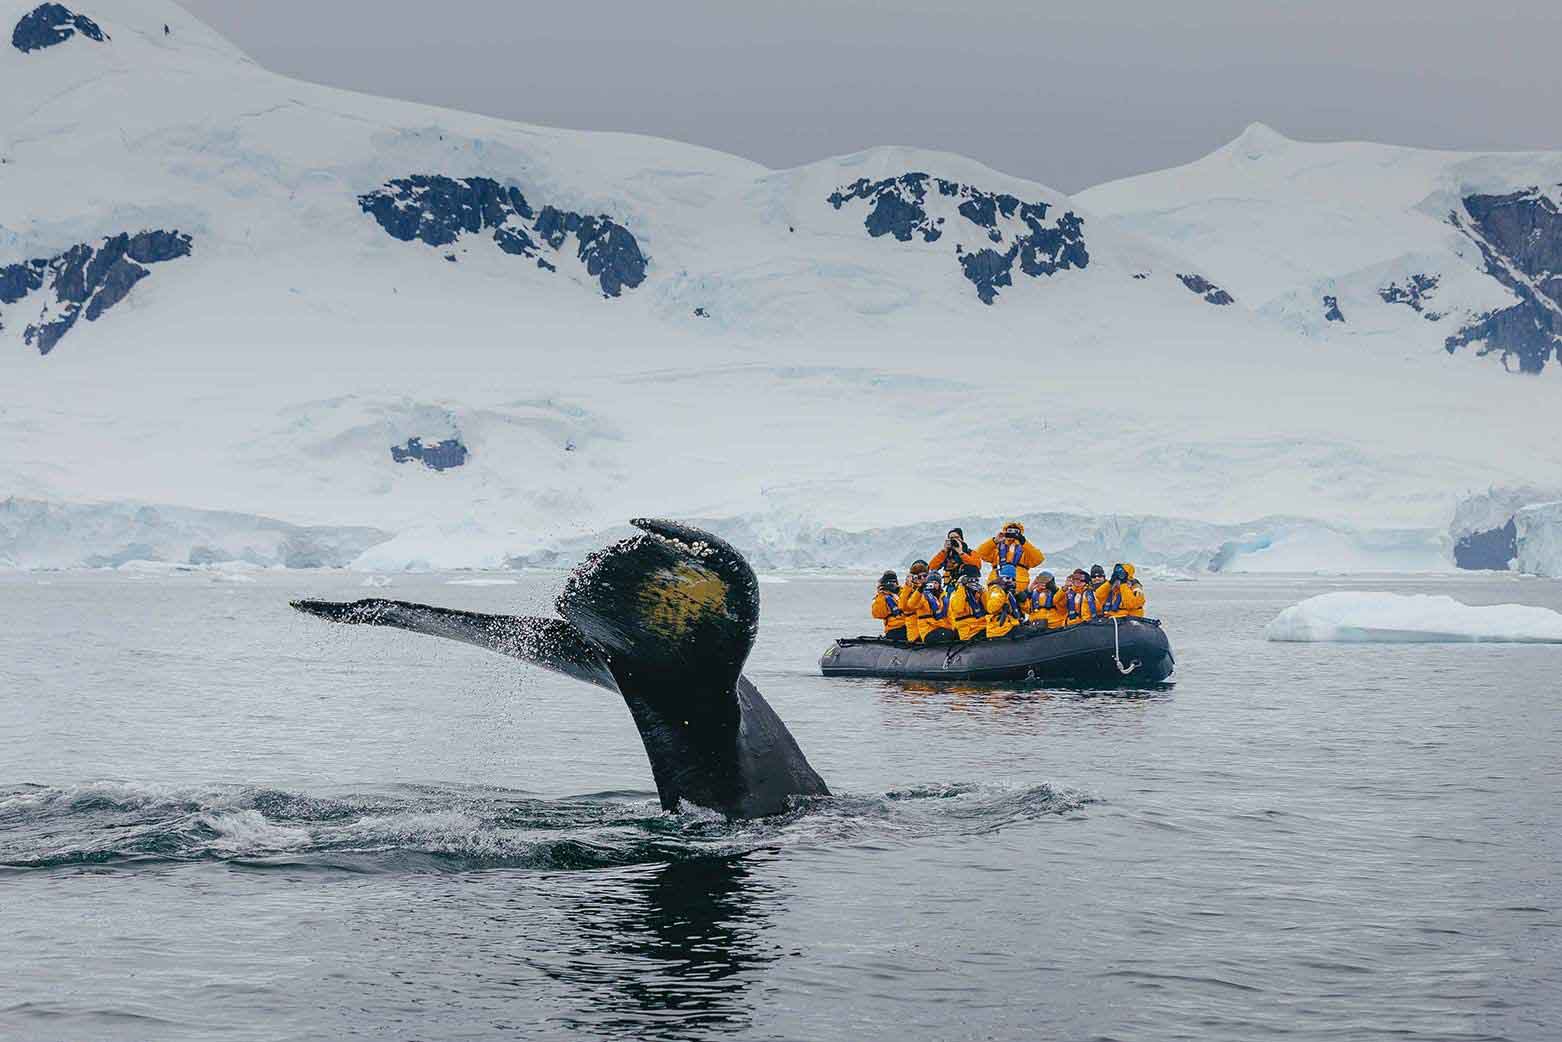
column 666, row 618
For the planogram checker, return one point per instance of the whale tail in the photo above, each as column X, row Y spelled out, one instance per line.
column 666, row 618
column 550, row 643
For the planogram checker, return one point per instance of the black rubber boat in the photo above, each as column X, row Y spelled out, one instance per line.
column 1099, row 653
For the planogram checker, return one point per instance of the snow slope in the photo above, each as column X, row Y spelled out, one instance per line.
column 1399, row 247
column 1398, row 619
column 801, row 353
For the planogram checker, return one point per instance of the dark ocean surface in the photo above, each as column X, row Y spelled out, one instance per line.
column 221, row 819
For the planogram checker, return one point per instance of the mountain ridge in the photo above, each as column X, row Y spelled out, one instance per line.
column 767, row 352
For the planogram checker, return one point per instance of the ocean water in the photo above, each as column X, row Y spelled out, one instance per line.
column 221, row 819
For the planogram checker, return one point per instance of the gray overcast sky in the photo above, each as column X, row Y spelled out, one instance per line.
column 1073, row 97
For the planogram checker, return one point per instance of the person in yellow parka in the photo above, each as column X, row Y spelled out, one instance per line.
column 1003, row 607
column 1121, row 596
column 912, row 604
column 886, row 607
column 936, row 625
column 1079, row 599
column 953, row 557
column 1009, row 549
column 968, row 605
column 1044, row 603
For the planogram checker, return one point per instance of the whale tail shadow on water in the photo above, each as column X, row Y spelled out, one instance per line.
column 665, row 618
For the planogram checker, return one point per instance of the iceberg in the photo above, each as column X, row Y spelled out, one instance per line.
column 1538, row 539
column 1421, row 618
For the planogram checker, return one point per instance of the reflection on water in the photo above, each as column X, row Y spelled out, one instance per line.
column 1006, row 708
column 666, row 952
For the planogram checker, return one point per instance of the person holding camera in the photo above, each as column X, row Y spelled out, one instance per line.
column 1121, row 597
column 1008, row 549
column 934, row 621
column 953, row 557
column 968, row 604
column 1044, row 602
column 886, row 607
column 913, row 604
column 1079, row 599
column 1003, row 605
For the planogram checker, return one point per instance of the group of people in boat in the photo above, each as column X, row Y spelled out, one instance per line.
column 945, row 599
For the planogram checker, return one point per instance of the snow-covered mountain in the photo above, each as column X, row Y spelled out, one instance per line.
column 1420, row 248
column 224, row 290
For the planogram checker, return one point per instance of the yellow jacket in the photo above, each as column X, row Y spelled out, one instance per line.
column 1079, row 604
column 1052, row 614
column 1024, row 557
column 1000, row 613
column 886, row 606
column 928, row 622
column 949, row 563
column 913, row 606
column 967, row 623
column 1129, row 601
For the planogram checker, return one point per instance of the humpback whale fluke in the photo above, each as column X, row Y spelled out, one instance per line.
column 666, row 618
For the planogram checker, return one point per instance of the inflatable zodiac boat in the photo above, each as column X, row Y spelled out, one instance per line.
column 1100, row 653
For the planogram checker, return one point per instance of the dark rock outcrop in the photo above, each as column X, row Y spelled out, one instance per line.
column 86, row 280
column 1332, row 312
column 50, row 24
column 1415, row 294
column 1491, row 550
column 1211, row 293
column 1520, row 239
column 898, row 207
column 438, row 210
column 440, row 456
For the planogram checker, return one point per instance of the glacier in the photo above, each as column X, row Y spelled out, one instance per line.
column 1392, row 618
column 763, row 357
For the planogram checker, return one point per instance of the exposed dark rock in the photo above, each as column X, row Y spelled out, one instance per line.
column 85, row 280
column 1528, row 332
column 1520, row 239
column 701, row 313
column 1491, row 550
column 437, row 210
column 18, row 280
column 1211, row 293
column 49, row 24
column 1414, row 294
column 441, row 456
column 898, row 208
column 988, row 270
column 1332, row 312
column 1141, row 274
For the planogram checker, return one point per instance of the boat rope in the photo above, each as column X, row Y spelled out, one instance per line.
column 1117, row 655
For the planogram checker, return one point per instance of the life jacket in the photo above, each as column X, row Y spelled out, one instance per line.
column 1113, row 601
column 938, row 605
column 974, row 601
column 1010, row 554
column 1074, row 602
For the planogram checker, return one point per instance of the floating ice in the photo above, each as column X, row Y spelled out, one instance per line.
column 1396, row 618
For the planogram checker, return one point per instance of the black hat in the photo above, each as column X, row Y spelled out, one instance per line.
column 887, row 578
column 959, row 532
column 1097, row 570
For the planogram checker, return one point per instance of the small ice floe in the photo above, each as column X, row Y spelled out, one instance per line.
column 377, row 580
column 1396, row 618
column 481, row 582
